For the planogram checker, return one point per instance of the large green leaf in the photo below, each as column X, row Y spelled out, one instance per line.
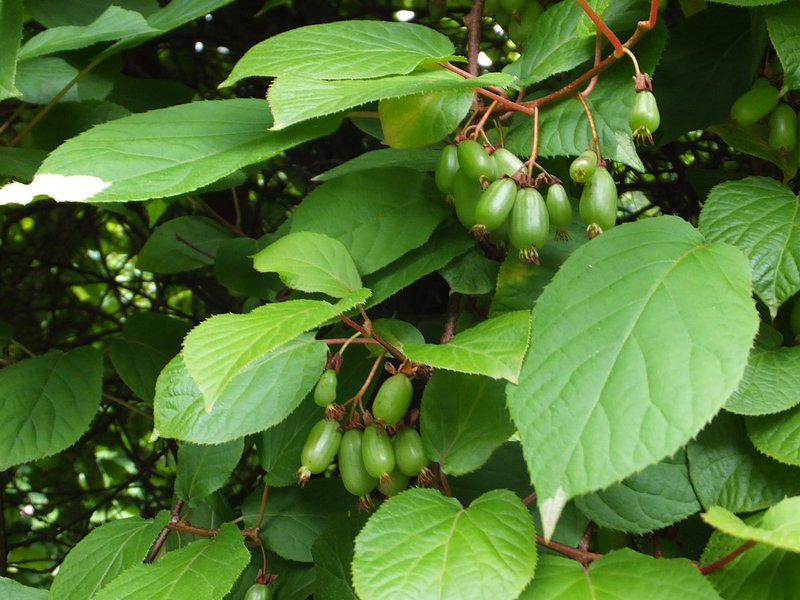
column 115, row 23
column 162, row 153
column 204, row 469
column 20, row 163
column 727, row 471
column 423, row 545
column 56, row 14
column 11, row 590
column 295, row 517
column 771, row 382
column 777, row 436
column 311, row 262
column 203, row 570
column 279, row 446
column 419, row 159
column 761, row 217
column 294, row 98
column 333, row 553
column 652, row 499
column 414, row 121
column 370, row 212
column 627, row 358
column 258, row 397
column 463, row 419
column 344, row 50
column 182, row 244
column 782, row 23
column 227, row 345
column 11, row 16
column 494, row 347
column 48, row 403
column 778, row 527
column 620, row 575
column 103, row 554
column 473, row 273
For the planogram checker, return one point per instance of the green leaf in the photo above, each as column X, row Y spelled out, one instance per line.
column 472, row 274
column 423, row 545
column 770, row 382
column 494, row 347
column 11, row 590
column 378, row 215
column 204, row 469
column 224, row 346
column 294, row 98
column 203, row 570
column 182, row 244
column 652, row 499
column 419, row 159
column 48, row 403
column 625, row 358
column 11, row 18
column 747, row 3
column 779, row 526
column 333, row 553
column 164, row 152
column 761, row 217
column 782, row 24
column 115, row 23
column 295, row 517
column 310, row 262
column 103, row 554
column 344, row 50
column 233, row 268
column 257, row 398
column 753, row 140
column 778, row 435
column 20, row 163
column 444, row 245
column 554, row 44
column 398, row 333
column 149, row 340
column 56, row 14
column 414, row 121
column 619, row 574
column 727, row 471
column 463, row 419
column 279, row 446
column 41, row 79
column 179, row 12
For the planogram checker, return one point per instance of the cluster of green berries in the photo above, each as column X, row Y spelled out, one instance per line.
column 385, row 455
column 762, row 103
column 598, row 204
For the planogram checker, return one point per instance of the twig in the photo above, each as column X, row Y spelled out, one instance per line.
column 174, row 517
column 183, row 240
column 582, row 556
column 473, row 23
column 729, row 557
column 595, row 137
column 371, row 334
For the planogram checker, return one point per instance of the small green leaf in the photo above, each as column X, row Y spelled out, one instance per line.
column 233, row 268
column 48, row 403
column 463, row 419
column 779, row 526
column 781, row 22
column 333, row 553
column 472, row 274
column 378, row 215
column 11, row 590
column 727, row 471
column 56, row 14
column 344, row 50
column 310, row 262
column 414, row 121
column 20, row 163
column 11, row 18
column 494, row 347
column 398, row 333
column 103, row 554
column 204, row 469
column 279, row 446
column 625, row 358
column 182, row 244
column 777, row 436
column 224, row 346
column 419, row 159
column 761, row 217
column 257, row 398
column 203, row 570
column 770, row 382
column 423, row 545
column 619, row 574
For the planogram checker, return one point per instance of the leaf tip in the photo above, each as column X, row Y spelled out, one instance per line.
column 550, row 511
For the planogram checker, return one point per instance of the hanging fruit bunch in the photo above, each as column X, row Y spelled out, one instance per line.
column 765, row 105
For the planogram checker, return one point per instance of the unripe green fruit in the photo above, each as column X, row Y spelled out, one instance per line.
column 783, row 129
column 393, row 398
column 258, row 591
column 529, row 224
column 446, row 169
column 355, row 478
column 377, row 452
column 582, row 168
column 644, row 117
column 394, row 484
column 598, row 204
column 507, row 163
column 325, row 390
column 495, row 204
column 321, row 446
column 466, row 194
column 558, row 206
column 474, row 162
column 409, row 452
column 754, row 105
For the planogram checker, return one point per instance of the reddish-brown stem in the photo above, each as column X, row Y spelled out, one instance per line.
column 602, row 27
column 263, row 507
column 651, row 22
column 595, row 138
column 534, row 144
column 371, row 334
column 449, row 329
column 529, row 499
column 582, row 556
column 337, row 341
column 473, row 23
column 499, row 98
column 487, row 113
column 446, row 490
column 598, row 56
column 174, row 517
column 729, row 557
column 356, row 400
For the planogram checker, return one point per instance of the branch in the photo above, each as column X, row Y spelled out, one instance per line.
column 582, row 556
column 729, row 557
column 174, row 517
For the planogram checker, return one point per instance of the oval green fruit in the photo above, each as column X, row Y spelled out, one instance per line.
column 355, row 478
column 529, row 224
column 466, row 194
column 507, row 163
column 377, row 452
column 409, row 452
column 393, row 398
column 582, row 168
column 474, row 162
column 598, row 204
column 782, row 129
column 258, row 591
column 644, row 117
column 321, row 446
column 325, row 390
column 558, row 206
column 446, row 169
column 394, row 484
column 495, row 204
column 754, row 105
